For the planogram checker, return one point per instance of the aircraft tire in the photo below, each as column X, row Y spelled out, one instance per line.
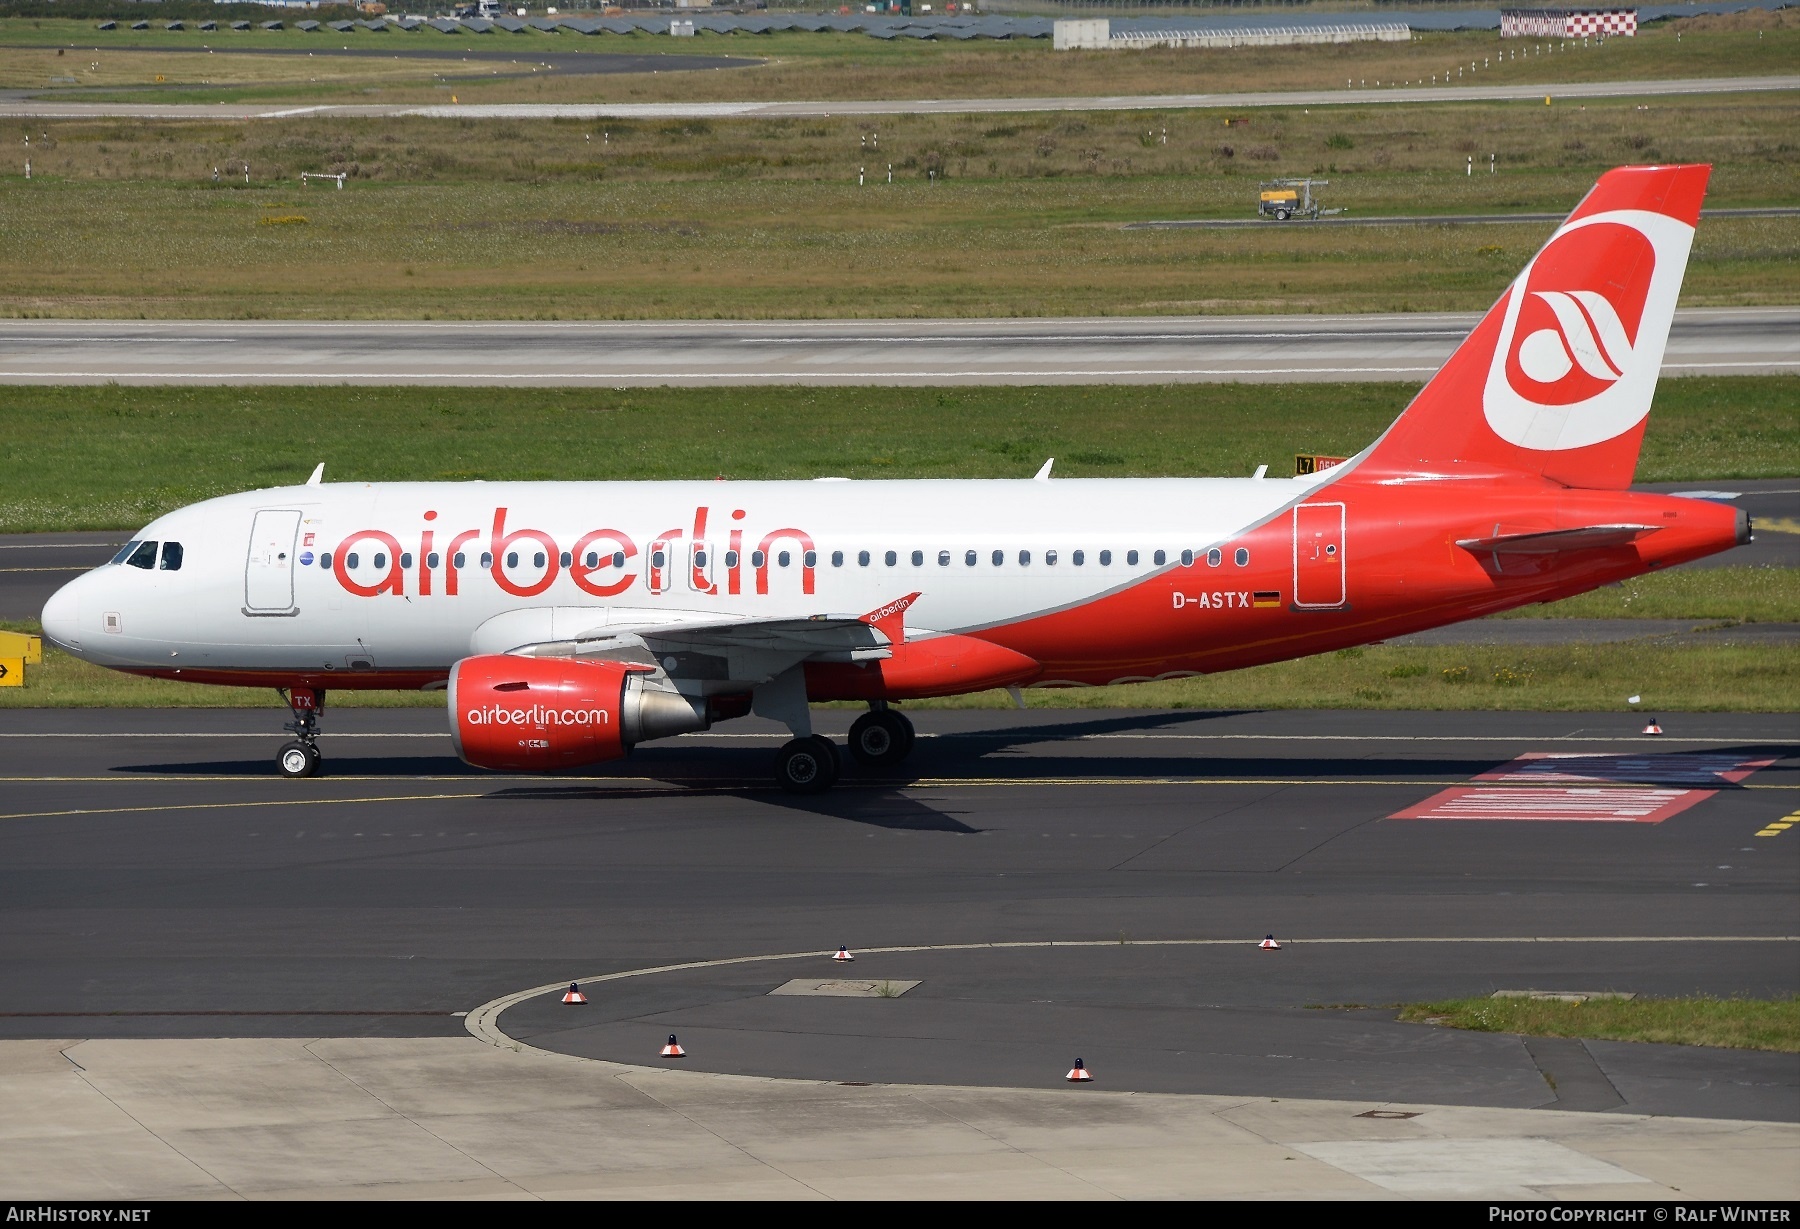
column 881, row 739
column 296, row 760
column 807, row 765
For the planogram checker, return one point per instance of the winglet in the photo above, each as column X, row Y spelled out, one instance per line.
column 1043, row 475
column 890, row 620
column 317, row 475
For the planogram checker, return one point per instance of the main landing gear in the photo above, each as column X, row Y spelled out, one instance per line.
column 880, row 738
column 301, row 758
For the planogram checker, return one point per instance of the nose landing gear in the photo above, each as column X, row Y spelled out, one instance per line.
column 301, row 758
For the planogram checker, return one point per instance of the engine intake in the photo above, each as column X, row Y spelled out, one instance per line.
column 529, row 714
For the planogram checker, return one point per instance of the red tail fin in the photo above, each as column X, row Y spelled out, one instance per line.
column 1556, row 380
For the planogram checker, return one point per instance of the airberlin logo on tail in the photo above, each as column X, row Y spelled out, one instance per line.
column 1582, row 338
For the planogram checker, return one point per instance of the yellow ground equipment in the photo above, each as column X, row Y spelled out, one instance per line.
column 17, row 650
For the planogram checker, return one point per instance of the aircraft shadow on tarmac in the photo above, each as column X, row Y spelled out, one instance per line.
column 1025, row 752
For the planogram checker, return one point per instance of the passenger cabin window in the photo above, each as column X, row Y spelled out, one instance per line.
column 381, row 559
column 171, row 556
column 890, row 558
column 1024, row 558
column 999, row 557
column 862, row 558
column 406, row 559
column 1214, row 558
column 325, row 560
column 757, row 559
column 731, row 558
column 144, row 556
column 837, row 558
column 1131, row 558
column 943, row 559
column 1106, row 559
column 459, row 559
column 1242, row 558
column 567, row 559
column 969, row 559
column 810, row 559
column 1187, row 558
column 783, row 558
column 350, row 561
column 431, row 560
column 487, row 559
column 1160, row 558
column 1078, row 557
column 918, row 559
column 537, row 560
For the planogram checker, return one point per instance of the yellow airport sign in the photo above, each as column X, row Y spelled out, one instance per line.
column 12, row 672
column 29, row 649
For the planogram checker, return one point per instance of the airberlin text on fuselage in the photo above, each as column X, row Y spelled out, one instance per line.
column 610, row 550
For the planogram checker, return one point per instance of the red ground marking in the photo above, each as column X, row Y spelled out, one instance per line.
column 1570, row 805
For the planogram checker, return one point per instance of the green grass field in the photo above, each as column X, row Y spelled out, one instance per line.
column 1739, row 1024
column 1574, row 678
column 109, row 457
column 764, row 218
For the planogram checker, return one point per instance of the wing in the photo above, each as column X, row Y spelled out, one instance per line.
column 689, row 644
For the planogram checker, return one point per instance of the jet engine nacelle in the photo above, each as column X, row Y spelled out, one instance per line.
column 528, row 714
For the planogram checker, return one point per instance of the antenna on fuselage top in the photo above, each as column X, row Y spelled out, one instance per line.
column 317, row 474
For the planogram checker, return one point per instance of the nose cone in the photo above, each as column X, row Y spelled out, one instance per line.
column 62, row 617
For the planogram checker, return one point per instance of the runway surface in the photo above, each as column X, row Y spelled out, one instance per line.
column 50, row 108
column 34, row 565
column 156, row 879
column 1129, row 350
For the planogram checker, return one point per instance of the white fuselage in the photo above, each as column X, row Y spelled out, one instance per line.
column 406, row 576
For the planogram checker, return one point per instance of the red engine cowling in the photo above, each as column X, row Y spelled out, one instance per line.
column 524, row 713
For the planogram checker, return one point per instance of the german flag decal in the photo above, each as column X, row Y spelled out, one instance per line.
column 1267, row 597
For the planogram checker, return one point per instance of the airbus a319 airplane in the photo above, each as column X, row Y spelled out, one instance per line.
column 570, row 621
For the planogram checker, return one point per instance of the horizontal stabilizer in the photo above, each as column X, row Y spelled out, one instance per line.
column 1549, row 542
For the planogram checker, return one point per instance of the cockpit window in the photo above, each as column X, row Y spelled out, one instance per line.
column 143, row 557
column 171, row 556
column 125, row 551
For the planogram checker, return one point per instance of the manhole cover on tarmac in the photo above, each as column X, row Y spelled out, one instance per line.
column 835, row 988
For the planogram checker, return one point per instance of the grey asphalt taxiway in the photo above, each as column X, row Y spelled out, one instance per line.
column 157, row 880
column 1155, row 349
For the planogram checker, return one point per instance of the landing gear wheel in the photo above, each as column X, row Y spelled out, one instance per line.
column 297, row 760
column 881, row 739
column 807, row 765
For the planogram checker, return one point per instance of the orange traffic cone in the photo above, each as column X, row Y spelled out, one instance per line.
column 1269, row 945
column 1652, row 727
column 673, row 1049
column 574, row 995
column 1078, row 1074
column 843, row 953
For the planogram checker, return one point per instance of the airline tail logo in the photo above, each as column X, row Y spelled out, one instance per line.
column 1582, row 340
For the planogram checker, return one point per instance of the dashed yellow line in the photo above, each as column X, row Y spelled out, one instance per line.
column 1781, row 825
